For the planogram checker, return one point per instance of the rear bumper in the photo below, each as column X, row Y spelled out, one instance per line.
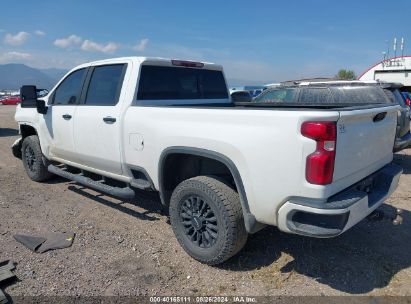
column 341, row 211
column 402, row 142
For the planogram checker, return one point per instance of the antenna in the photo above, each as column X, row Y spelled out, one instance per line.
column 388, row 49
column 395, row 47
column 402, row 47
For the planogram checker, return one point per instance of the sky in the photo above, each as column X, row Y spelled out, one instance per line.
column 254, row 40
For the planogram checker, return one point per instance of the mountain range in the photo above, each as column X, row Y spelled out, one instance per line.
column 14, row 75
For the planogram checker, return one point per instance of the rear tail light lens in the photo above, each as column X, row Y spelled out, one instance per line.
column 319, row 167
column 408, row 101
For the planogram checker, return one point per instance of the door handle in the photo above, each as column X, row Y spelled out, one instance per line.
column 109, row 119
column 67, row 116
column 379, row 116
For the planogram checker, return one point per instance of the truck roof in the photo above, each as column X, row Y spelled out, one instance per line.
column 353, row 82
column 342, row 82
column 154, row 61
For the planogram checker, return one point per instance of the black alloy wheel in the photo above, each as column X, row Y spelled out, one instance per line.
column 199, row 221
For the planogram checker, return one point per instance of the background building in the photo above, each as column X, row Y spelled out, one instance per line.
column 397, row 69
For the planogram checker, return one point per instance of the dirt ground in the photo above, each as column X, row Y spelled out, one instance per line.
column 129, row 248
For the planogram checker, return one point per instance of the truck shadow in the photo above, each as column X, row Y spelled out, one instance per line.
column 56, row 180
column 366, row 257
column 404, row 161
column 143, row 200
column 6, row 132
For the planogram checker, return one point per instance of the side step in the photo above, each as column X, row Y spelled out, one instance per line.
column 141, row 184
column 125, row 193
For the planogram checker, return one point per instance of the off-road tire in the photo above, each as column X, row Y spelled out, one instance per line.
column 224, row 202
column 32, row 158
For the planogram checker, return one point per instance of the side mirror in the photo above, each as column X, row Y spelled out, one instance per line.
column 241, row 96
column 41, row 106
column 28, row 96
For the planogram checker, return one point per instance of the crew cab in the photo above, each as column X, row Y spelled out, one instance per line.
column 223, row 169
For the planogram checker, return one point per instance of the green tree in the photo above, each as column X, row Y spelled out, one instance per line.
column 346, row 75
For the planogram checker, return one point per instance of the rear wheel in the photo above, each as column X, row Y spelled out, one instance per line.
column 32, row 158
column 207, row 219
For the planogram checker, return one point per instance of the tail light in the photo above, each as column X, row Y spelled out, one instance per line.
column 408, row 101
column 319, row 167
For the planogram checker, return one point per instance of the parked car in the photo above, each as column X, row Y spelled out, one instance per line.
column 403, row 136
column 252, row 90
column 13, row 100
column 241, row 96
column 407, row 97
column 10, row 100
column 281, row 94
column 42, row 92
column 255, row 90
column 223, row 169
column 344, row 92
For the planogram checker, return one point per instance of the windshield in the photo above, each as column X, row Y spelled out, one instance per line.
column 277, row 95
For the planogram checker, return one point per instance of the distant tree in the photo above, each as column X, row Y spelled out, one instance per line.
column 346, row 75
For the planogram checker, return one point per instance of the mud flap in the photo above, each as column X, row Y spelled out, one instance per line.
column 16, row 148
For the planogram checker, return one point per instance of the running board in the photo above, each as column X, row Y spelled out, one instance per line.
column 141, row 184
column 125, row 193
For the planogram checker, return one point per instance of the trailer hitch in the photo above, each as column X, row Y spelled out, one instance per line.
column 379, row 215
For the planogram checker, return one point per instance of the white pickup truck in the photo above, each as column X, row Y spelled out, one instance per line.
column 223, row 169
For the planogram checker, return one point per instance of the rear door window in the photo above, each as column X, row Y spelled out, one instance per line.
column 105, row 85
column 175, row 83
column 359, row 95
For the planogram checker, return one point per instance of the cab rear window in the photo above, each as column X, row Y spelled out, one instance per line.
column 177, row 83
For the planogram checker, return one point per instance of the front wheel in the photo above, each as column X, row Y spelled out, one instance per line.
column 207, row 219
column 32, row 158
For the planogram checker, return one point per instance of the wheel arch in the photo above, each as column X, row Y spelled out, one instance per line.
column 251, row 224
column 27, row 130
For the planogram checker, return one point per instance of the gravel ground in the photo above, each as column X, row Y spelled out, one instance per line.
column 129, row 248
